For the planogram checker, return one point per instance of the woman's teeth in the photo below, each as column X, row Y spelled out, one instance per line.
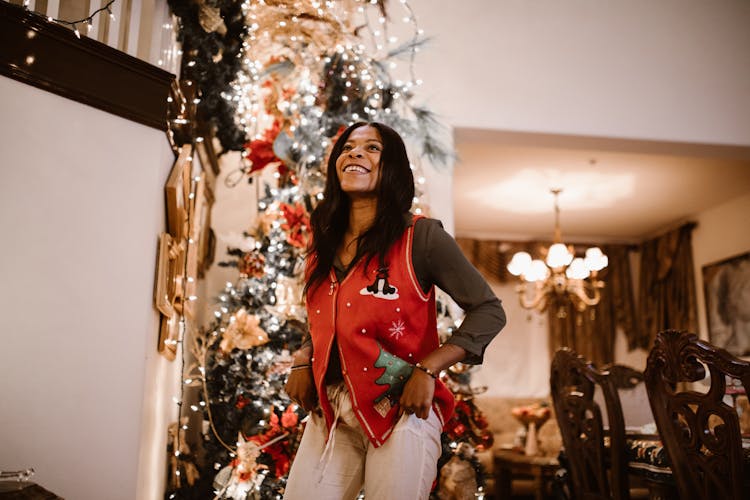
column 356, row 168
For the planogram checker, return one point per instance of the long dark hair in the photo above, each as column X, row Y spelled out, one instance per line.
column 330, row 219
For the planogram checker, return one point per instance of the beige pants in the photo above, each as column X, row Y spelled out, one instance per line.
column 403, row 468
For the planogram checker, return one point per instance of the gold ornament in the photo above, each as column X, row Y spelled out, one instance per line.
column 210, row 19
column 243, row 332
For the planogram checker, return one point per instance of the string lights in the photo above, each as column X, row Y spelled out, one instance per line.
column 181, row 461
column 87, row 21
column 334, row 70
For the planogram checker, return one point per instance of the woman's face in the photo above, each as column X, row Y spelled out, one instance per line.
column 358, row 165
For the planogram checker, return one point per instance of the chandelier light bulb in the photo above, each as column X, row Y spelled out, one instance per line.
column 537, row 271
column 558, row 256
column 577, row 270
column 595, row 260
column 519, row 264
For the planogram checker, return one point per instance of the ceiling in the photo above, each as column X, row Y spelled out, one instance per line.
column 614, row 190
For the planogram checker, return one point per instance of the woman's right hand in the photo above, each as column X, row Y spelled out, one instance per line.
column 300, row 386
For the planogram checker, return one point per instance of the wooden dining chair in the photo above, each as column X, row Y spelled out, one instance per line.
column 700, row 430
column 598, row 470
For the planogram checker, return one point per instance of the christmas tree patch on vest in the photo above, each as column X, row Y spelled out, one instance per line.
column 397, row 372
column 380, row 288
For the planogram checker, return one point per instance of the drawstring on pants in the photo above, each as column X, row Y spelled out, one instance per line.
column 327, row 455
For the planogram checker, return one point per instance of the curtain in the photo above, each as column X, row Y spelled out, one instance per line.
column 667, row 285
column 592, row 333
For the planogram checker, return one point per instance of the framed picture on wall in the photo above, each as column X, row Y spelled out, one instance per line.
column 177, row 192
column 727, row 291
column 165, row 289
column 169, row 332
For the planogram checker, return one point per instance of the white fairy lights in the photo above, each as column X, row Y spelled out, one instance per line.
column 87, row 21
column 283, row 38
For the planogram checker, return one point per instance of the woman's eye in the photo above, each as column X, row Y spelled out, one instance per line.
column 374, row 148
column 346, row 147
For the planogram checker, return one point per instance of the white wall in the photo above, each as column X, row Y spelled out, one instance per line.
column 672, row 70
column 516, row 363
column 85, row 397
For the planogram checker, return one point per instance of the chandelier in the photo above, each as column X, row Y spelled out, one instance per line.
column 561, row 277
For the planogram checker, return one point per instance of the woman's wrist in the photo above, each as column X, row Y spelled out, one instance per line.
column 428, row 371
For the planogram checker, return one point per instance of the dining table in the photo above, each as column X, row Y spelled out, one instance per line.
column 648, row 462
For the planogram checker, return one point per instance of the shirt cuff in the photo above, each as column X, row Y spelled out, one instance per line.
column 473, row 357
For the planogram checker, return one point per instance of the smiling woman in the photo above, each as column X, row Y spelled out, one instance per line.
column 369, row 373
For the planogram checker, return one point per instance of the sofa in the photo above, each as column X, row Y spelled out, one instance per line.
column 505, row 427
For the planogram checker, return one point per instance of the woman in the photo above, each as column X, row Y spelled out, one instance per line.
column 369, row 374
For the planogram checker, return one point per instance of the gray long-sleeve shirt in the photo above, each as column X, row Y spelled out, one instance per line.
column 439, row 261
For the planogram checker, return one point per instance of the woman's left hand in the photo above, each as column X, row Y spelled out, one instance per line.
column 418, row 393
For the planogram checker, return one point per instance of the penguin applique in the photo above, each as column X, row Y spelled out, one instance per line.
column 380, row 288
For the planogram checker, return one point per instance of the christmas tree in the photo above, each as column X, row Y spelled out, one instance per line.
column 279, row 80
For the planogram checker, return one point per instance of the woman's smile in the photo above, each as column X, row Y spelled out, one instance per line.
column 356, row 169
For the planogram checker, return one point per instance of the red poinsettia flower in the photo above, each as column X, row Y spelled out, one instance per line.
column 260, row 151
column 297, row 224
column 289, row 418
column 295, row 216
column 252, row 264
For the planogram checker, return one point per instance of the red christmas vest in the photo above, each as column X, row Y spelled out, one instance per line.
column 383, row 323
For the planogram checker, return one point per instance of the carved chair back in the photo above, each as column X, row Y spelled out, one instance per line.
column 700, row 431
column 573, row 382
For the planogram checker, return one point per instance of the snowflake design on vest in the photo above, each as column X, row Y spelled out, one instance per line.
column 397, row 329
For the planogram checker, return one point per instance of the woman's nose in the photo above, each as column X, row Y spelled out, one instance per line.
column 355, row 152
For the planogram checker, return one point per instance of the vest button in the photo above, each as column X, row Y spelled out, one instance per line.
column 312, row 359
column 317, row 311
column 364, row 330
column 365, row 368
column 410, row 355
column 348, row 304
column 398, row 309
